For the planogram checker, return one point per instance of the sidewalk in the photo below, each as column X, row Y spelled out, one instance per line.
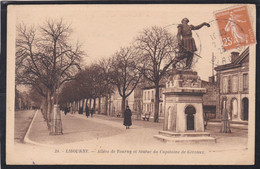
column 98, row 136
column 105, row 131
column 76, row 128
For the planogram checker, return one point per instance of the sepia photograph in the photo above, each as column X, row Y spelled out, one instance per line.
column 119, row 84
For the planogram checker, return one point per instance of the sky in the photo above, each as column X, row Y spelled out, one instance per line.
column 103, row 29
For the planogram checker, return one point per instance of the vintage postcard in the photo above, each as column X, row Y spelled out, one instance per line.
column 157, row 84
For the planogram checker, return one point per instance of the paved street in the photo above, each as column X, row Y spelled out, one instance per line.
column 99, row 135
column 78, row 129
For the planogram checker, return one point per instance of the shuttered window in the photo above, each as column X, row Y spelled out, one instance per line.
column 234, row 88
column 245, row 81
column 225, row 84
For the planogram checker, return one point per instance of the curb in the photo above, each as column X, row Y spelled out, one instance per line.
column 29, row 141
column 26, row 138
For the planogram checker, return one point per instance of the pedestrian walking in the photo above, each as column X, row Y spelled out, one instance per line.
column 81, row 110
column 87, row 111
column 127, row 117
column 92, row 112
column 66, row 110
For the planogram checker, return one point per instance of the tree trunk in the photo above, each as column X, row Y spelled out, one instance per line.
column 77, row 106
column 106, row 105
column 73, row 107
column 123, row 105
column 156, row 105
column 90, row 100
column 99, row 105
column 109, row 98
column 94, row 105
column 44, row 108
column 86, row 101
column 49, row 109
column 83, row 102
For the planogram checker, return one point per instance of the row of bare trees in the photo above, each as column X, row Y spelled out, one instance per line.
column 90, row 83
column 149, row 58
column 45, row 59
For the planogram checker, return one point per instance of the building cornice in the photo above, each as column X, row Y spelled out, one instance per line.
column 237, row 63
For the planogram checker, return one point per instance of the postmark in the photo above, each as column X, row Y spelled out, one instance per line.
column 235, row 27
column 220, row 54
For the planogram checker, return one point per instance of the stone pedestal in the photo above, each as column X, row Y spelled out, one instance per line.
column 183, row 121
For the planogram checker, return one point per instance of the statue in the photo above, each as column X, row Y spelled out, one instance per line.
column 186, row 43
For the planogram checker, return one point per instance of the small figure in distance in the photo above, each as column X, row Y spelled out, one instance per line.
column 87, row 111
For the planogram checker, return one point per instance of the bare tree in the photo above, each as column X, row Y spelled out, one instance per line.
column 71, row 91
column 106, row 68
column 45, row 58
column 156, row 47
column 94, row 82
column 124, row 74
column 90, row 83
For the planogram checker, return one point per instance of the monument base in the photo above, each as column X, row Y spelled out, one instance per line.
column 187, row 137
column 184, row 118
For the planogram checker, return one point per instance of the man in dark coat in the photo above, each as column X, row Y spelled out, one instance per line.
column 87, row 111
column 66, row 110
column 127, row 117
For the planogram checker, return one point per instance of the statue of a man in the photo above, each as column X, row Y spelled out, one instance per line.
column 186, row 43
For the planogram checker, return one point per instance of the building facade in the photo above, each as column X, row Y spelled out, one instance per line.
column 209, row 98
column 149, row 100
column 115, row 102
column 138, row 101
column 233, row 87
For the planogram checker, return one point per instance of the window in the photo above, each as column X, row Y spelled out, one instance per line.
column 148, row 95
column 225, row 84
column 234, row 84
column 234, row 108
column 224, row 101
column 152, row 94
column 144, row 95
column 245, row 81
column 160, row 108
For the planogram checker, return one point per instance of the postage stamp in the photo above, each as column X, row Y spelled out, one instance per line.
column 235, row 27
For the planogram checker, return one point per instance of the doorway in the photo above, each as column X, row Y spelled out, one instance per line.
column 190, row 111
column 169, row 118
column 245, row 109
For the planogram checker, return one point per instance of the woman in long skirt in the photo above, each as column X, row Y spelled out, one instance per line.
column 127, row 117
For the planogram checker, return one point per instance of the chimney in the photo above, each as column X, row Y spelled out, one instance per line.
column 211, row 79
column 234, row 56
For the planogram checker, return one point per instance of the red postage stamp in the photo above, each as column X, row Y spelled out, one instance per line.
column 235, row 27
